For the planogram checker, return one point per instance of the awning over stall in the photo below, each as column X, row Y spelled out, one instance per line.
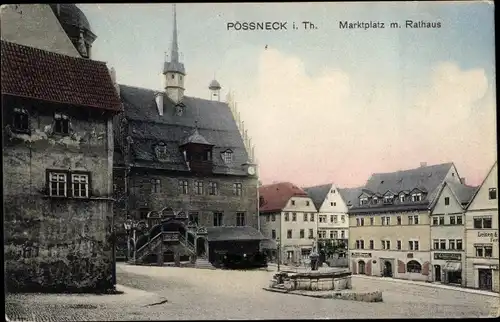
column 452, row 267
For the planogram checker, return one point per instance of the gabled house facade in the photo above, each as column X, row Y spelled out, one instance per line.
column 288, row 216
column 333, row 221
column 389, row 231
column 57, row 151
column 481, row 223
column 448, row 240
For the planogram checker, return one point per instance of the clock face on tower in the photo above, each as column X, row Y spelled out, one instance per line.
column 251, row 170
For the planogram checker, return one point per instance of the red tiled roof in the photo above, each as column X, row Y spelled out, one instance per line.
column 34, row 73
column 275, row 196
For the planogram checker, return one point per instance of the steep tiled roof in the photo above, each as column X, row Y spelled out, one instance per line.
column 275, row 196
column 463, row 192
column 350, row 195
column 427, row 178
column 225, row 233
column 318, row 194
column 38, row 74
column 215, row 123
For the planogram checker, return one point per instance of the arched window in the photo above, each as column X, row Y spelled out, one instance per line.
column 413, row 267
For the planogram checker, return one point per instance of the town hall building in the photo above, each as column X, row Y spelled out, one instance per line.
column 183, row 165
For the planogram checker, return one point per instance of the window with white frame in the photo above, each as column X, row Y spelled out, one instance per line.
column 311, row 217
column 451, row 244
column 342, row 218
column 213, row 188
column 311, row 233
column 331, row 218
column 360, row 221
column 410, row 220
column 416, row 197
column 198, row 187
column 441, row 220
column 183, row 187
column 492, row 193
column 61, row 123
column 80, row 184
column 435, row 243
column 360, row 244
column 386, row 220
column 333, row 234
column 459, row 244
column 388, row 199
column 322, row 234
column 402, row 198
column 413, row 245
column 413, row 220
column 482, row 222
column 287, row 216
column 375, row 200
column 371, row 244
column 294, row 216
column 289, row 234
column 240, row 219
column 484, row 250
column 363, row 201
column 398, row 219
column 442, row 244
column 446, row 201
column 322, row 219
column 218, row 219
column 453, row 220
column 459, row 220
column 372, row 221
column 305, row 216
column 335, row 219
column 342, row 234
column 435, row 221
column 302, row 233
column 58, row 184
column 399, row 244
column 237, row 189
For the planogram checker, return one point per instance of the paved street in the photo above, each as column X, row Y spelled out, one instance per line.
column 183, row 293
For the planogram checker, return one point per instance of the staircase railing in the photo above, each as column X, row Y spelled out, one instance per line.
column 186, row 243
column 146, row 248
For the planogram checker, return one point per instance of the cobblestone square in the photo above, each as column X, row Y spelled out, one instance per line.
column 167, row 293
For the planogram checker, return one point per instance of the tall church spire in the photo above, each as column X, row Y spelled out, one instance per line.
column 175, row 46
column 173, row 70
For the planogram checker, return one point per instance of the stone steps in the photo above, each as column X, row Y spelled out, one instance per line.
column 203, row 264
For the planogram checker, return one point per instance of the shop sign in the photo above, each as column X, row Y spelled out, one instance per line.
column 361, row 255
column 492, row 235
column 448, row 256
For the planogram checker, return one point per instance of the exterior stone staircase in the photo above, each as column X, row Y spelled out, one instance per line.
column 203, row 263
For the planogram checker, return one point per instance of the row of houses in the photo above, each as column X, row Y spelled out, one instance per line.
column 420, row 224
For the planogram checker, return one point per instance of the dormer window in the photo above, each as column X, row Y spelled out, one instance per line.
column 61, row 123
column 161, row 151
column 388, row 199
column 402, row 198
column 20, row 122
column 416, row 197
column 363, row 201
column 227, row 156
column 375, row 200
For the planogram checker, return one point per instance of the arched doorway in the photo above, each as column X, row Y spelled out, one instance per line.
column 387, row 269
column 201, row 247
column 361, row 267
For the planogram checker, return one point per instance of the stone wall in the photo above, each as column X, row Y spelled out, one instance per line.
column 56, row 243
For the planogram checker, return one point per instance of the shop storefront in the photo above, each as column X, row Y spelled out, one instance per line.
column 448, row 268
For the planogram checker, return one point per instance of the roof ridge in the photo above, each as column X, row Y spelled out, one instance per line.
column 413, row 169
column 52, row 53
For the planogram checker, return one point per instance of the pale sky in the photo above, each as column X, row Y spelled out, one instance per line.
column 328, row 105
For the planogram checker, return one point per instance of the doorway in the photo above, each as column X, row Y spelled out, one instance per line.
column 437, row 273
column 387, row 269
column 361, row 267
column 485, row 279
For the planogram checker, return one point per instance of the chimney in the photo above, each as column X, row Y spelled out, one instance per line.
column 159, row 102
column 423, row 164
column 462, row 180
column 112, row 73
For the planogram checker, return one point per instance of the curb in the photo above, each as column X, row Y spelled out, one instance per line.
column 444, row 287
